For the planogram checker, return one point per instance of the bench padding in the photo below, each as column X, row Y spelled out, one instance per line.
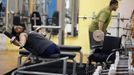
column 70, row 48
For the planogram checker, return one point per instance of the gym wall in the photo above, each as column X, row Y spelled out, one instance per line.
column 86, row 8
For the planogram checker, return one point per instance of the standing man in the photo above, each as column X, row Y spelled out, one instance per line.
column 101, row 21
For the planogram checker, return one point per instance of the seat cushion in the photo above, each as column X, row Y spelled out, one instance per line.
column 70, row 48
column 68, row 54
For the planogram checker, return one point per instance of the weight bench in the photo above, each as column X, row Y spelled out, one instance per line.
column 24, row 68
column 66, row 51
column 63, row 55
column 70, row 49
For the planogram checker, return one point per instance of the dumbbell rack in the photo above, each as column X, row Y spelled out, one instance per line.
column 121, row 66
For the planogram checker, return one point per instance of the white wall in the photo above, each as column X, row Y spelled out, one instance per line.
column 125, row 10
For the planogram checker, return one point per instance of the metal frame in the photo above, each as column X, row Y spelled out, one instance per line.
column 81, row 59
column 61, row 22
column 31, row 57
column 51, row 27
column 21, row 67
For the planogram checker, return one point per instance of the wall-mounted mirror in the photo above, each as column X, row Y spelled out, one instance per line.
column 2, row 14
column 49, row 12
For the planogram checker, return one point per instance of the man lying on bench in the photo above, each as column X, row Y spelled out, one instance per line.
column 34, row 42
column 40, row 46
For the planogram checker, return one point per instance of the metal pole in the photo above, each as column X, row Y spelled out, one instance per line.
column 7, row 14
column 44, row 11
column 76, row 10
column 73, row 19
column 51, row 27
column 61, row 22
column 118, row 24
column 16, row 6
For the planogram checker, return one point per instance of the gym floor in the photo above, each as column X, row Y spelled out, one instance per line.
column 8, row 61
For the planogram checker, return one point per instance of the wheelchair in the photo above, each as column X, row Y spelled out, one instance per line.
column 103, row 55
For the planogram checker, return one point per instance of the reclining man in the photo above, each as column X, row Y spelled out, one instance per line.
column 33, row 42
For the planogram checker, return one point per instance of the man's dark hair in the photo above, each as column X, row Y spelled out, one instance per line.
column 113, row 2
column 23, row 25
column 1, row 6
column 13, row 31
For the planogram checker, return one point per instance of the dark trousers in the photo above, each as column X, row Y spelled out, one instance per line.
column 52, row 51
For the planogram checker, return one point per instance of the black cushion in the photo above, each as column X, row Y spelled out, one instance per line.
column 68, row 54
column 70, row 48
column 110, row 43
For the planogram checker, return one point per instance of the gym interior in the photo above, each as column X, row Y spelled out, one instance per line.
column 66, row 23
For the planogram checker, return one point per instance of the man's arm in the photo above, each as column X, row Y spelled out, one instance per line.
column 16, row 42
column 102, row 19
column 100, row 25
column 22, row 40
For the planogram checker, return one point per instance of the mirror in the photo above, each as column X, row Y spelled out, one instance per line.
column 2, row 15
column 49, row 10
